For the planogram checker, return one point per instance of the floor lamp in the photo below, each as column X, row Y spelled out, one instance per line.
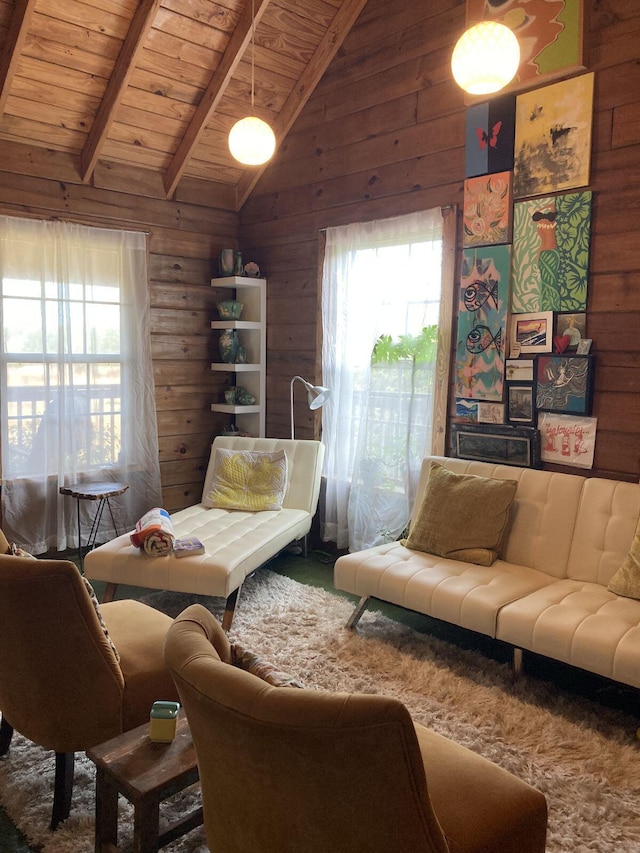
column 317, row 396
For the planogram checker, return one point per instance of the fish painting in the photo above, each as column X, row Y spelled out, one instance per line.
column 479, row 292
column 480, row 338
column 482, row 323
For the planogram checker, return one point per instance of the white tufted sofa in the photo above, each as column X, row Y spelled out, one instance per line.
column 568, row 535
column 236, row 543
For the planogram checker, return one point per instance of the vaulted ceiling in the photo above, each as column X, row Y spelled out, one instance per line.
column 158, row 84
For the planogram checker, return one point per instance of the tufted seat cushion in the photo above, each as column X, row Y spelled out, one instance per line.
column 579, row 623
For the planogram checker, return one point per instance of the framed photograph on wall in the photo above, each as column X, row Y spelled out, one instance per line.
column 519, row 369
column 532, row 333
column 521, row 403
column 490, row 413
column 506, row 445
column 564, row 384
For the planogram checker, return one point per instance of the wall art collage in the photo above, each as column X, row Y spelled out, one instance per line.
column 524, row 368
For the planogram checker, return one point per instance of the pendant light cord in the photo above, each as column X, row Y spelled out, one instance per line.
column 253, row 46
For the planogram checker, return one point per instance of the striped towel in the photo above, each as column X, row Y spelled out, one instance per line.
column 154, row 533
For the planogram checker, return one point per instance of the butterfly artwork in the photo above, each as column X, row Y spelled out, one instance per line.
column 484, row 139
column 489, row 136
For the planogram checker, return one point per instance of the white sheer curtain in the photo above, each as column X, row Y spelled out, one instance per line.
column 379, row 278
column 76, row 380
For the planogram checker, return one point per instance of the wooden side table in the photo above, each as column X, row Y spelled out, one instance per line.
column 146, row 773
column 101, row 492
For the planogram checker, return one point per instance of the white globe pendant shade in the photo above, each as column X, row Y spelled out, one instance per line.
column 485, row 58
column 251, row 141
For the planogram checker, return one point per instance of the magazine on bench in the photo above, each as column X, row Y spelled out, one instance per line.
column 191, row 545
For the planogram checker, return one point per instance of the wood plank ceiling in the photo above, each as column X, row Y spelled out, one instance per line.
column 158, row 84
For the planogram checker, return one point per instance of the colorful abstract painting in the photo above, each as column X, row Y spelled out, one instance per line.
column 553, row 137
column 482, row 321
column 487, row 210
column 550, row 33
column 550, row 253
column 490, row 135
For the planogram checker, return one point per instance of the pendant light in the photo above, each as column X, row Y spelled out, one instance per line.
column 485, row 58
column 251, row 140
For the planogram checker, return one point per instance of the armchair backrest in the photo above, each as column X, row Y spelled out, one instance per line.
column 284, row 769
column 60, row 682
column 304, row 463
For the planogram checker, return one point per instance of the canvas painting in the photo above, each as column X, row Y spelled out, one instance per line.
column 553, row 137
column 550, row 253
column 466, row 411
column 564, row 383
column 487, row 210
column 570, row 331
column 490, row 134
column 567, row 440
column 550, row 33
column 482, row 321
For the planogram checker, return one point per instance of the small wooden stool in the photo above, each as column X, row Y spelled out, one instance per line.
column 146, row 773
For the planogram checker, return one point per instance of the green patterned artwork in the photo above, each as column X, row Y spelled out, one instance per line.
column 550, row 253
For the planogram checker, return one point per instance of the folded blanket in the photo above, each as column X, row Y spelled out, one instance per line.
column 154, row 533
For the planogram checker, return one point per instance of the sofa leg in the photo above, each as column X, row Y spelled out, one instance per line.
column 361, row 606
column 6, row 733
column 63, row 786
column 109, row 592
column 518, row 663
column 230, row 609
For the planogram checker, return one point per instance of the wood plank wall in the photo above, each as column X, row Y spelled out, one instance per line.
column 383, row 134
column 185, row 238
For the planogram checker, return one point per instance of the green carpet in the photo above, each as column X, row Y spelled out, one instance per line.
column 317, row 570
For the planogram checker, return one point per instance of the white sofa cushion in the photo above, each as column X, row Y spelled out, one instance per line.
column 582, row 624
column 604, row 531
column 462, row 593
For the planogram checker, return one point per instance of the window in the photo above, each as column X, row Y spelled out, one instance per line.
column 382, row 351
column 75, row 374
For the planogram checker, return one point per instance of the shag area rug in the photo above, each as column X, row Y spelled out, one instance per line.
column 583, row 756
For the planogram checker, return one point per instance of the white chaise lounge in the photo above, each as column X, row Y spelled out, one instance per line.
column 236, row 542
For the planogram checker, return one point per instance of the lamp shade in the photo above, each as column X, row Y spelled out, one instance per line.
column 251, row 141
column 317, row 396
column 485, row 58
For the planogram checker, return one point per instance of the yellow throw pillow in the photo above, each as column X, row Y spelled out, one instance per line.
column 462, row 516
column 626, row 580
column 250, row 480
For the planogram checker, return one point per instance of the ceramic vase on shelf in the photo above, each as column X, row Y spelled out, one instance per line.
column 226, row 262
column 229, row 346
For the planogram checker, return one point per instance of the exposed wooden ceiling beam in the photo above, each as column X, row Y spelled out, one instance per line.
column 345, row 18
column 16, row 35
column 118, row 82
column 238, row 43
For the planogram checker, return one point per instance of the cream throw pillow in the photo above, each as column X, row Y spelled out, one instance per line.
column 626, row 580
column 250, row 480
column 462, row 516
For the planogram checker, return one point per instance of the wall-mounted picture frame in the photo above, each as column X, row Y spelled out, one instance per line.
column 552, row 149
column 519, row 369
column 521, row 403
column 564, row 383
column 551, row 36
column 567, row 440
column 571, row 328
column 491, row 413
column 502, row 444
column 533, row 333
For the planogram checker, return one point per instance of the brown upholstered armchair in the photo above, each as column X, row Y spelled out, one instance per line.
column 61, row 683
column 284, row 770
